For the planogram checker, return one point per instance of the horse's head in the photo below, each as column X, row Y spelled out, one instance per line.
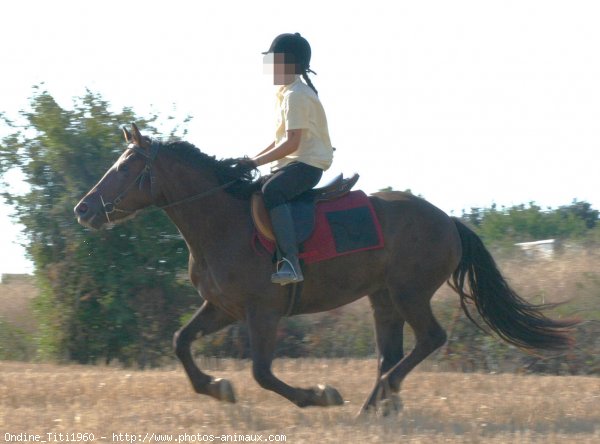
column 126, row 188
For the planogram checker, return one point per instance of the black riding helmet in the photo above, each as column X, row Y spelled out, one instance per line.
column 296, row 49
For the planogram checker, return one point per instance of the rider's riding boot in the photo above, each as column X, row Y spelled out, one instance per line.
column 288, row 268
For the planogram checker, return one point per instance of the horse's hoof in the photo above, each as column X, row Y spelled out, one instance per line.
column 383, row 408
column 329, row 395
column 390, row 405
column 223, row 390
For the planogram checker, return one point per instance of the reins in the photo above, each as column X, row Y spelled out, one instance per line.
column 111, row 207
column 196, row 196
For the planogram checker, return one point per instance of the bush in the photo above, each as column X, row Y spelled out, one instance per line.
column 15, row 343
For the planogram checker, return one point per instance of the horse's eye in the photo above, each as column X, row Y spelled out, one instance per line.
column 123, row 168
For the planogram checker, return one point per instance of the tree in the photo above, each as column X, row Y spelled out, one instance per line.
column 104, row 295
column 581, row 210
column 523, row 223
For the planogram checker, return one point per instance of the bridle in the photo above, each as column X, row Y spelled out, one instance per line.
column 148, row 173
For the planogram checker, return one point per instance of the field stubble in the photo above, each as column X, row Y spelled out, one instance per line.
column 438, row 407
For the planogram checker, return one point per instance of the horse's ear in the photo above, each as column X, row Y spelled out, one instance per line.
column 127, row 134
column 137, row 136
column 138, row 139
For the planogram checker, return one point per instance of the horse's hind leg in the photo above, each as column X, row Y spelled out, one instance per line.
column 208, row 319
column 429, row 336
column 262, row 326
column 389, row 335
column 389, row 332
column 415, row 308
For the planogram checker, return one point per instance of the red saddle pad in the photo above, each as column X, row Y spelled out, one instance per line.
column 342, row 226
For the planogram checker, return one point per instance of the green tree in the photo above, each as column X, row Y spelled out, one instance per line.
column 105, row 295
column 523, row 223
column 581, row 210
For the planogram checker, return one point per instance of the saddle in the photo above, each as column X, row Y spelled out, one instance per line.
column 303, row 207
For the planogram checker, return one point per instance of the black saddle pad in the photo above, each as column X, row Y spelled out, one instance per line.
column 353, row 229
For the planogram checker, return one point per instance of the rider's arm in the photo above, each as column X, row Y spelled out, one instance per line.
column 285, row 148
column 269, row 148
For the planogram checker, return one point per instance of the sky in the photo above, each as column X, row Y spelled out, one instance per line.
column 467, row 103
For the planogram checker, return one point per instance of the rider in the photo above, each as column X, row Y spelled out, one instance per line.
column 301, row 150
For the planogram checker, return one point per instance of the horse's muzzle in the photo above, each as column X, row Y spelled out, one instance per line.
column 90, row 213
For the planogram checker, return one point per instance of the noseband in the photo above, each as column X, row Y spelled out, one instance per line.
column 148, row 173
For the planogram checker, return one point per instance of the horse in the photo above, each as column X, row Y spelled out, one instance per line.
column 208, row 200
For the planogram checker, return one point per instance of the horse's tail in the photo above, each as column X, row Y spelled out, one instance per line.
column 505, row 312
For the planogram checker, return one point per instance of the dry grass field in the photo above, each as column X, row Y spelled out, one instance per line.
column 438, row 407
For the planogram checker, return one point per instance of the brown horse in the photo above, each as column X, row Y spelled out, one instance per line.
column 208, row 201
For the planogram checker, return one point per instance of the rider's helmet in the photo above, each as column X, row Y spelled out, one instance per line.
column 295, row 48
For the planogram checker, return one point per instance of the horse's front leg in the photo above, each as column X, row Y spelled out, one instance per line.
column 262, row 326
column 208, row 319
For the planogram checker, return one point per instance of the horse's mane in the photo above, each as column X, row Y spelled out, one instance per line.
column 226, row 170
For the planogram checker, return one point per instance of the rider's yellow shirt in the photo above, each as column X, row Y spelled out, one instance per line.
column 298, row 107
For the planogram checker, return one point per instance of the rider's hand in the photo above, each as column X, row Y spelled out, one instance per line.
column 246, row 164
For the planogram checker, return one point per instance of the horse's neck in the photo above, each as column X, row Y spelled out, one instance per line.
column 208, row 219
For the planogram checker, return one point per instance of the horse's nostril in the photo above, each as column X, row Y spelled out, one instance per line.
column 82, row 208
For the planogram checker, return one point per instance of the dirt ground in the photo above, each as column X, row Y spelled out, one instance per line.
column 120, row 405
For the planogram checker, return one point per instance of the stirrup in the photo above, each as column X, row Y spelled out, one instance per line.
column 286, row 273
